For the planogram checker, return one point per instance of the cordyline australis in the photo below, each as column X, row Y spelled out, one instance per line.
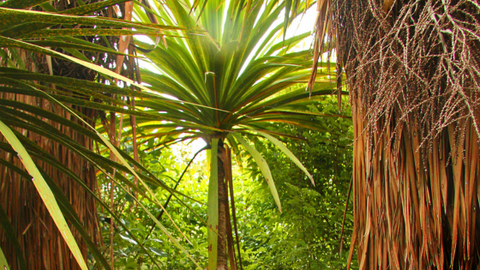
column 235, row 75
column 228, row 74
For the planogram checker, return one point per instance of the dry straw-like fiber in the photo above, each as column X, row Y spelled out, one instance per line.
column 413, row 74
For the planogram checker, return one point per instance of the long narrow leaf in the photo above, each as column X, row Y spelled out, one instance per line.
column 21, row 4
column 3, row 261
column 73, row 218
column 13, row 17
column 70, row 214
column 262, row 164
column 288, row 153
column 120, row 157
column 45, row 193
column 12, row 236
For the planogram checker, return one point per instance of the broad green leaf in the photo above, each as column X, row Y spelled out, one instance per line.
column 21, row 4
column 157, row 222
column 66, row 207
column 45, row 33
column 120, row 157
column 262, row 164
column 73, row 48
column 13, row 17
column 288, row 153
column 8, row 42
column 72, row 217
column 87, row 9
column 11, row 235
column 3, row 261
column 45, row 193
column 212, row 207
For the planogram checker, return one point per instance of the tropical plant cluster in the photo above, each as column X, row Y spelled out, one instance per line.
column 306, row 235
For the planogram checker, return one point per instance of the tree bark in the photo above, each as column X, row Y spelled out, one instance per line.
column 415, row 107
column 222, row 210
column 42, row 244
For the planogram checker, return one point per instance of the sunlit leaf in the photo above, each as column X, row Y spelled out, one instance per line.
column 3, row 261
column 264, row 168
column 288, row 153
column 45, row 193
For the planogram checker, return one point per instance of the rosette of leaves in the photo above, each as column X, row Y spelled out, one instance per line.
column 228, row 78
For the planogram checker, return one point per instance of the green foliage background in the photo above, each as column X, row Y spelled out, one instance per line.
column 305, row 236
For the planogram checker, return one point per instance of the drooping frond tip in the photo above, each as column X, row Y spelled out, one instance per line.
column 325, row 33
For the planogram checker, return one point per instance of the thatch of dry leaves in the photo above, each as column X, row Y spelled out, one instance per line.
column 413, row 74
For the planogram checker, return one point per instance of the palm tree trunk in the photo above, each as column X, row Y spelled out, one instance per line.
column 415, row 117
column 222, row 209
column 415, row 211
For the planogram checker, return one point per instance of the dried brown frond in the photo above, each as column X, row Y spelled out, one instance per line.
column 41, row 242
column 413, row 75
